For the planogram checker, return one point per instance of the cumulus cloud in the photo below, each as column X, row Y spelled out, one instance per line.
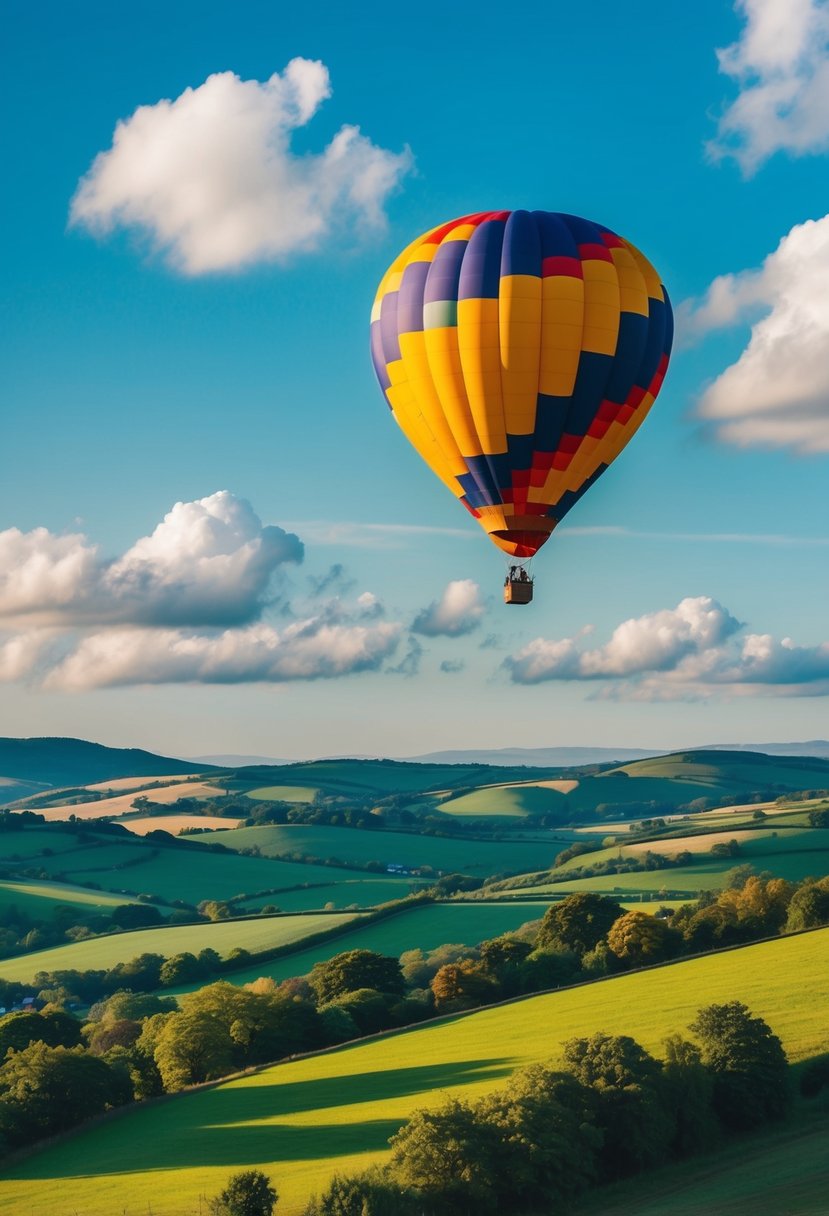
column 781, row 64
column 211, row 177
column 209, row 562
column 777, row 392
column 185, row 604
column 305, row 650
column 458, row 611
column 695, row 649
column 450, row 667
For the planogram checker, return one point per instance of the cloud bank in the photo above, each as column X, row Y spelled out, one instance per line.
column 211, row 179
column 458, row 611
column 209, row 562
column 777, row 392
column 694, row 650
column 184, row 604
column 781, row 65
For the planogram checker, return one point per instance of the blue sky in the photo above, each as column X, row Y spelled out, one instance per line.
column 158, row 350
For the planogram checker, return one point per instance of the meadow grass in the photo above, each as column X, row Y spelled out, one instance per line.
column 426, row 927
column 283, row 793
column 504, row 802
column 101, row 953
column 38, row 899
column 359, row 846
column 304, row 1120
column 31, row 842
column 343, row 890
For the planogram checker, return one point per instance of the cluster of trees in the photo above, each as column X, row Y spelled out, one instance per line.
column 608, row 1111
column 20, row 932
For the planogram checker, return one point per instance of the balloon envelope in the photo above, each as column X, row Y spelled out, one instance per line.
column 519, row 352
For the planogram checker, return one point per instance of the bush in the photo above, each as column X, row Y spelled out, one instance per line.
column 248, row 1193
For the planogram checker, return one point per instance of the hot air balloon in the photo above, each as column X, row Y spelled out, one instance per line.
column 519, row 352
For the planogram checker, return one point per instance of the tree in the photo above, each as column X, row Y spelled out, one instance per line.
column 631, row 1110
column 689, row 1089
column 747, row 1063
column 578, row 922
column 449, row 1153
column 462, row 986
column 809, row 906
column 55, row 1028
column 44, row 1090
column 192, row 1047
column 638, row 939
column 354, row 969
column 180, row 969
column 369, row 1194
column 248, row 1193
column 548, row 1142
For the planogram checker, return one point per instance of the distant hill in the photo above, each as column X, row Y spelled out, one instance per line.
column 537, row 757
column 230, row 760
column 573, row 757
column 29, row 766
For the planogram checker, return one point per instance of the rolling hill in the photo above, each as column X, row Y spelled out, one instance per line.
column 302, row 1120
column 29, row 766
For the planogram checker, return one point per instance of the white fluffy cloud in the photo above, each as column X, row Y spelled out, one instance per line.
column 209, row 562
column 777, row 392
column 186, row 604
column 459, row 610
column 211, row 178
column 692, row 650
column 304, row 650
column 781, row 65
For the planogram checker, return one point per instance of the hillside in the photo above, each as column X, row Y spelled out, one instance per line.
column 303, row 1120
column 28, row 766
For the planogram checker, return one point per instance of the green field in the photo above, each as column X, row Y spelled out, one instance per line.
column 31, row 842
column 133, row 865
column 101, row 953
column 39, row 899
column 303, row 1120
column 383, row 776
column 283, row 793
column 343, row 890
column 359, row 846
column 785, row 1171
column 427, row 927
column 505, row 802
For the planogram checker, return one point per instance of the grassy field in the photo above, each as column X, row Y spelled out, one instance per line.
column 134, row 865
column 425, row 927
column 39, row 899
column 383, row 776
column 782, row 1173
column 284, row 793
column 505, row 802
column 358, row 846
column 304, row 1120
column 101, row 953
column 31, row 842
column 344, row 890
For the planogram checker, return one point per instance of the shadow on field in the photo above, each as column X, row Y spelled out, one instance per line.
column 227, row 1125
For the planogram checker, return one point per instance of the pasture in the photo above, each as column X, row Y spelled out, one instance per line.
column 306, row 1119
column 283, row 793
column 168, row 872
column 39, row 899
column 140, row 825
column 359, row 846
column 101, row 953
column 505, row 802
column 426, row 927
